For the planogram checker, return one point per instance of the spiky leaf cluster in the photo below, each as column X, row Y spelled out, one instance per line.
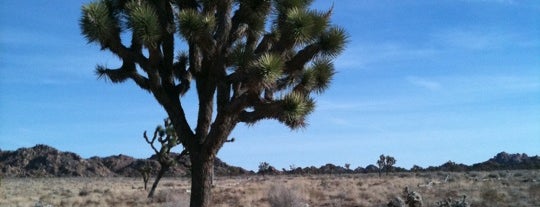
column 142, row 18
column 253, row 13
column 195, row 27
column 318, row 77
column 249, row 59
column 98, row 23
column 267, row 69
column 332, row 41
column 303, row 25
column 295, row 107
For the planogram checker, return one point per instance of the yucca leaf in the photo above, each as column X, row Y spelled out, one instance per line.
column 115, row 76
column 97, row 24
column 320, row 21
column 240, row 55
column 323, row 72
column 308, row 79
column 332, row 42
column 269, row 68
column 143, row 19
column 295, row 107
column 193, row 25
column 299, row 25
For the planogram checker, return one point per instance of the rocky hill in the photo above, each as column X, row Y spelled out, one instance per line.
column 505, row 161
column 46, row 161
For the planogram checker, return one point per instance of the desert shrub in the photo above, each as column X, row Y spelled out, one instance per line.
column 279, row 196
column 410, row 199
column 473, row 174
column 534, row 191
column 503, row 174
column 42, row 204
column 168, row 184
column 404, row 175
column 491, row 175
column 396, row 202
column 453, row 203
column 171, row 198
column 491, row 196
column 84, row 192
column 316, row 194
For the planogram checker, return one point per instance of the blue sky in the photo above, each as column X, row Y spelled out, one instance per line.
column 424, row 81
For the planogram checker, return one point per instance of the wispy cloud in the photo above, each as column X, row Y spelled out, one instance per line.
column 341, row 122
column 479, row 38
column 362, row 55
column 494, row 1
column 424, row 83
column 354, row 105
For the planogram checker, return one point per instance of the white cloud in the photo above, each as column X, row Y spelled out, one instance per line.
column 352, row 105
column 494, row 1
column 341, row 122
column 479, row 38
column 362, row 55
column 424, row 83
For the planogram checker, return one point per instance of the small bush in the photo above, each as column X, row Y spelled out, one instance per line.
column 493, row 176
column 534, row 191
column 492, row 196
column 279, row 196
column 84, row 192
column 453, row 203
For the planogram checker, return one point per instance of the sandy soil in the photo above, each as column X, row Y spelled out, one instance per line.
column 503, row 188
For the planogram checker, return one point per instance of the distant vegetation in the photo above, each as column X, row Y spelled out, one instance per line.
column 386, row 163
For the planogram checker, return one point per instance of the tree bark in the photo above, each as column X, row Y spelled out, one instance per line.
column 202, row 168
column 156, row 182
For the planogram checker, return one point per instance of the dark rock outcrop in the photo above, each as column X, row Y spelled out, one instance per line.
column 505, row 161
column 45, row 161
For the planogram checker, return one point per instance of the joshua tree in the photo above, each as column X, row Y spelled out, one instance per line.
column 385, row 163
column 166, row 136
column 250, row 60
column 264, row 167
column 380, row 163
column 416, row 168
column 390, row 161
column 145, row 171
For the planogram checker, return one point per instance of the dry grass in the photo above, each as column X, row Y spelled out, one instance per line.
column 508, row 188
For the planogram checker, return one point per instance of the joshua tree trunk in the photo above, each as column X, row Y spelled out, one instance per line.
column 160, row 174
column 201, row 179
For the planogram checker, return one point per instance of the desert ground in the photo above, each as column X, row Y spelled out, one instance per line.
column 499, row 188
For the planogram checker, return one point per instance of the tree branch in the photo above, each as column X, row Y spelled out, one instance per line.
column 223, row 24
column 151, row 142
column 261, row 110
column 298, row 61
column 168, row 29
column 126, row 71
column 265, row 44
